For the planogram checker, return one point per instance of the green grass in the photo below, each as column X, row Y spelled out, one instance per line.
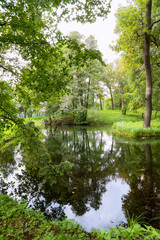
column 110, row 117
column 135, row 129
column 19, row 223
column 130, row 125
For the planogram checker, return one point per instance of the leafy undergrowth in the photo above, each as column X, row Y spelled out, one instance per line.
column 135, row 129
column 17, row 222
column 109, row 117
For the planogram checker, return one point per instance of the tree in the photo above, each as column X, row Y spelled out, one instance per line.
column 108, row 78
column 26, row 34
column 147, row 64
column 137, row 34
column 85, row 81
column 91, row 42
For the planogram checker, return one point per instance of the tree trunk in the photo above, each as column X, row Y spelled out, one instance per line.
column 156, row 114
column 147, row 64
column 101, row 107
column 123, row 111
column 88, row 91
column 73, row 109
column 24, row 113
column 120, row 104
column 111, row 98
column 123, row 107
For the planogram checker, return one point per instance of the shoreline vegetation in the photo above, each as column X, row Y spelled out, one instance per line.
column 18, row 222
column 129, row 125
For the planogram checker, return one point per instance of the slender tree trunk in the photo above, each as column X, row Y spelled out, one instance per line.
column 101, row 107
column 120, row 104
column 73, row 109
column 87, row 100
column 123, row 103
column 147, row 64
column 156, row 114
column 88, row 91
column 111, row 98
column 24, row 113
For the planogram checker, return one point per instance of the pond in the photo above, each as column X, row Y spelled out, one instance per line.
column 86, row 174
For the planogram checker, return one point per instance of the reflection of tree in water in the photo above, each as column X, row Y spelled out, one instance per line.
column 143, row 177
column 85, row 183
column 38, row 197
column 7, row 160
column 81, row 186
column 79, row 168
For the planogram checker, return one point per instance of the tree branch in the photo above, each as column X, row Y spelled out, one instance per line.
column 3, row 24
column 154, row 22
column 154, row 40
column 9, row 117
column 9, row 70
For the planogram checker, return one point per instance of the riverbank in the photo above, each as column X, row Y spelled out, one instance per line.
column 95, row 117
column 130, row 125
column 18, row 222
column 135, row 129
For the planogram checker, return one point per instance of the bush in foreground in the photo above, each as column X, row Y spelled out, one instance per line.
column 17, row 222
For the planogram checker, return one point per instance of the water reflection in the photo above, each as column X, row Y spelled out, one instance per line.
column 89, row 177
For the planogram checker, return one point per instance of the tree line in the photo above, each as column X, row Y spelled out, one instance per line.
column 40, row 67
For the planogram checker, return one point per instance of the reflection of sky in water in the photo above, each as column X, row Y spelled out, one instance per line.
column 109, row 214
column 110, row 211
column 18, row 168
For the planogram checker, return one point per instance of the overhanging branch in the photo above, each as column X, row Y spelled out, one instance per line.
column 3, row 24
column 7, row 69
column 154, row 22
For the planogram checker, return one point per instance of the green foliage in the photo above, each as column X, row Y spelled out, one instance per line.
column 85, row 87
column 8, row 108
column 130, row 233
column 17, row 222
column 39, row 121
column 29, row 33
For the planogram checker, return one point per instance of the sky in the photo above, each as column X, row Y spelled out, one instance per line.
column 102, row 30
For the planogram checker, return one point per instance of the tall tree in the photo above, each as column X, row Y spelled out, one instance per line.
column 147, row 64
column 137, row 34
column 27, row 35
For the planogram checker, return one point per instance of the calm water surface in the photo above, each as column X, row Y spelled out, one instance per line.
column 92, row 176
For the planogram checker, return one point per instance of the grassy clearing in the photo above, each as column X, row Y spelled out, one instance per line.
column 110, row 117
column 135, row 129
column 19, row 223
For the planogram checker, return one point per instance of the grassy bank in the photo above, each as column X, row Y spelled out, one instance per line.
column 130, row 125
column 135, row 129
column 110, row 116
column 19, row 223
